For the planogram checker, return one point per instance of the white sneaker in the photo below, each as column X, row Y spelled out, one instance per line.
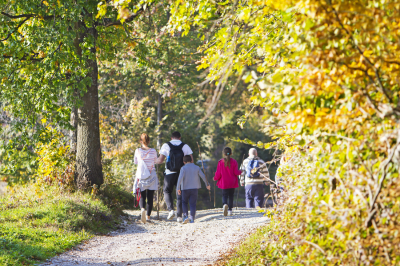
column 143, row 215
column 179, row 219
column 171, row 215
column 225, row 208
column 230, row 213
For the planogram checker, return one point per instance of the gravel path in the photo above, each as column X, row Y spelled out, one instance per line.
column 163, row 242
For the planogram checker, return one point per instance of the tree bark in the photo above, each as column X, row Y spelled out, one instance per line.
column 88, row 150
column 73, row 132
column 159, row 119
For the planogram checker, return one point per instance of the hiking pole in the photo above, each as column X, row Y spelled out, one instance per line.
column 202, row 164
column 237, row 195
column 158, row 198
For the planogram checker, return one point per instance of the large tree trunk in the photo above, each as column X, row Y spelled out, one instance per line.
column 88, row 150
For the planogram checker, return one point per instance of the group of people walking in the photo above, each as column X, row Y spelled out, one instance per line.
column 182, row 173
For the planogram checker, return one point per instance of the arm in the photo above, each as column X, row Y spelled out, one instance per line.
column 203, row 176
column 135, row 160
column 164, row 152
column 187, row 151
column 180, row 179
column 265, row 173
column 218, row 173
column 243, row 175
column 235, row 168
column 160, row 159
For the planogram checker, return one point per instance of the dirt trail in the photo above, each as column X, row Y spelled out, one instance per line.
column 163, row 242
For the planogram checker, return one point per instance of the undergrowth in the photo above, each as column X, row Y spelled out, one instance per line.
column 36, row 225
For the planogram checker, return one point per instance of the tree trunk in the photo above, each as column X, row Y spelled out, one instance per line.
column 159, row 119
column 88, row 150
column 72, row 133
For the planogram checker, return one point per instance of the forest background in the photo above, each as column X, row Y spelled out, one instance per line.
column 319, row 77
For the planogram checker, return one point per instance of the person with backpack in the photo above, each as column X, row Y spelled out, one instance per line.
column 254, row 175
column 188, row 186
column 227, row 179
column 173, row 151
column 146, row 181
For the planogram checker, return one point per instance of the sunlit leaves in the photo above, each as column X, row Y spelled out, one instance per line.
column 327, row 71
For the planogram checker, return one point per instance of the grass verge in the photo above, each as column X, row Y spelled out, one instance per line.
column 250, row 252
column 36, row 224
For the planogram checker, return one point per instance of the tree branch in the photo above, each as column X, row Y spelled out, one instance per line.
column 118, row 22
column 27, row 16
column 18, row 16
column 11, row 33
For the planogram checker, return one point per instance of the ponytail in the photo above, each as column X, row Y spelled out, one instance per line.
column 227, row 156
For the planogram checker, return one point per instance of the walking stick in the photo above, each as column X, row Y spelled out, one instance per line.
column 202, row 164
column 158, row 198
column 237, row 195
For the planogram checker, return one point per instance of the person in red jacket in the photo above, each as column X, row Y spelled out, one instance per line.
column 227, row 179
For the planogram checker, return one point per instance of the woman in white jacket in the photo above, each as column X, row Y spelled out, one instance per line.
column 148, row 185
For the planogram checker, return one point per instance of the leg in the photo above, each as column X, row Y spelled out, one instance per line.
column 258, row 195
column 179, row 205
column 249, row 197
column 193, row 202
column 231, row 197
column 142, row 201
column 150, row 197
column 169, row 183
column 225, row 194
column 185, row 200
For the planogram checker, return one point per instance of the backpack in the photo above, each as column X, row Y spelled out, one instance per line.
column 250, row 166
column 175, row 158
column 143, row 174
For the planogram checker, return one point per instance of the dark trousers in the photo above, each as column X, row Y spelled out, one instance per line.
column 147, row 194
column 189, row 196
column 170, row 181
column 254, row 195
column 227, row 197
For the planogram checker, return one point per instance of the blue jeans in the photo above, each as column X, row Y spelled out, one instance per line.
column 189, row 196
column 254, row 195
column 227, row 197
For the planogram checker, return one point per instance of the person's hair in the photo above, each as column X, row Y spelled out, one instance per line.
column 227, row 156
column 252, row 152
column 187, row 159
column 145, row 139
column 176, row 135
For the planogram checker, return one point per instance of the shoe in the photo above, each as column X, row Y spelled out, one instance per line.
column 179, row 219
column 225, row 208
column 186, row 220
column 230, row 213
column 171, row 215
column 148, row 219
column 191, row 220
column 143, row 216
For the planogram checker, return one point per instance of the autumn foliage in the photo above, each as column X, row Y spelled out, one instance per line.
column 328, row 73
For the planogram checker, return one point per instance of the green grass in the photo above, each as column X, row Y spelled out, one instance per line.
column 250, row 252
column 34, row 228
